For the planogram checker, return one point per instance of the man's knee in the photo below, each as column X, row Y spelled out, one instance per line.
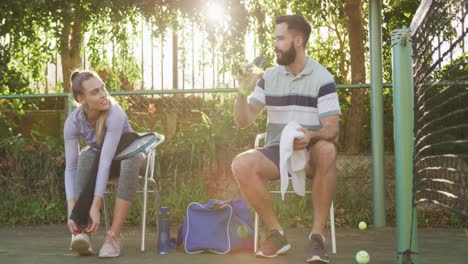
column 242, row 165
column 325, row 149
column 239, row 165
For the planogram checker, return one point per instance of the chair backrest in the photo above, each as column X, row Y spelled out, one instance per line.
column 159, row 139
column 151, row 150
column 258, row 138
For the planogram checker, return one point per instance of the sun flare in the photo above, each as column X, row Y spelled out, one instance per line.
column 214, row 12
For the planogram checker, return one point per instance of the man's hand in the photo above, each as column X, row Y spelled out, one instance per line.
column 248, row 79
column 301, row 143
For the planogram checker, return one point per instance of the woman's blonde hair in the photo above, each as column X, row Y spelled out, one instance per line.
column 77, row 78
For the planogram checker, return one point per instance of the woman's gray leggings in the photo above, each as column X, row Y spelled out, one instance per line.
column 128, row 178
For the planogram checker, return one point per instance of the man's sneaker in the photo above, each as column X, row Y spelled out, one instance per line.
column 81, row 243
column 111, row 246
column 274, row 245
column 317, row 253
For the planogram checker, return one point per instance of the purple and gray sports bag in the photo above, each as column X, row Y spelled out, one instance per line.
column 218, row 226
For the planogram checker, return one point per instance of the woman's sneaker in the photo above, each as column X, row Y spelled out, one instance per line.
column 317, row 253
column 275, row 244
column 111, row 246
column 81, row 243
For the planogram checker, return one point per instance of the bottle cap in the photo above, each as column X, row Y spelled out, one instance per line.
column 164, row 210
column 259, row 61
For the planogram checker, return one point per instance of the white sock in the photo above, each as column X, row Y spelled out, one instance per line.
column 281, row 231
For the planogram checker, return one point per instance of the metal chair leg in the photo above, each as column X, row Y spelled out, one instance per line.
column 256, row 233
column 143, row 218
column 332, row 227
column 156, row 203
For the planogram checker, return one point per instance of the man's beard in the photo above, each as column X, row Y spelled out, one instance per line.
column 287, row 57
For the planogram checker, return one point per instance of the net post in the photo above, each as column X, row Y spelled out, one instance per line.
column 378, row 172
column 403, row 121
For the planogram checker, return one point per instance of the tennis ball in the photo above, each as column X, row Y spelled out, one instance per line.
column 362, row 225
column 242, row 231
column 362, row 257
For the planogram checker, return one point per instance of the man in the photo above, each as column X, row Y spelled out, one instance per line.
column 298, row 89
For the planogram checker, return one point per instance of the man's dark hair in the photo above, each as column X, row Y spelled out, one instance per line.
column 298, row 23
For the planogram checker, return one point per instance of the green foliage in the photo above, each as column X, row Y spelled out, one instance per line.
column 218, row 131
column 12, row 79
column 31, row 32
column 396, row 14
column 25, row 43
column 455, row 70
column 328, row 40
column 24, row 209
column 31, row 176
column 31, row 180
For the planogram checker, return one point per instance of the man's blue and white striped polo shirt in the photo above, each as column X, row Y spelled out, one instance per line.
column 304, row 98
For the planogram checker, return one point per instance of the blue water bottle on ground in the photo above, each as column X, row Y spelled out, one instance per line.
column 164, row 233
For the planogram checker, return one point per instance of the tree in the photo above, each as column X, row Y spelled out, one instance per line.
column 355, row 117
column 32, row 30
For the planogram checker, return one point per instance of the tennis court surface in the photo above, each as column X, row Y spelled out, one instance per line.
column 49, row 244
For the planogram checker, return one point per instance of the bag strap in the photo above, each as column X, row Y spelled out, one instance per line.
column 216, row 204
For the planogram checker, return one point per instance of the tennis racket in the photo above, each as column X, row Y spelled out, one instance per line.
column 138, row 142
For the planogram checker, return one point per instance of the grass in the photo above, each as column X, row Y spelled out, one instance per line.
column 294, row 211
column 32, row 188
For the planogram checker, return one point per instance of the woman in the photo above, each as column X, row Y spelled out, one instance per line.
column 100, row 122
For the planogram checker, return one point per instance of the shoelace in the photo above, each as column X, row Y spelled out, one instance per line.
column 111, row 239
column 274, row 237
column 271, row 235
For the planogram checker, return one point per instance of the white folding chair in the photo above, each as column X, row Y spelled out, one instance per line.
column 147, row 178
column 256, row 222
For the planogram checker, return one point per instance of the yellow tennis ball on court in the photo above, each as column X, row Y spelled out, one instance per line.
column 242, row 231
column 362, row 257
column 362, row 225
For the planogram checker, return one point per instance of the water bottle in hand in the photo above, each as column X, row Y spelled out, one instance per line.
column 164, row 233
column 249, row 78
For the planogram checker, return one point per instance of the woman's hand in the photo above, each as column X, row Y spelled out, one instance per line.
column 95, row 215
column 74, row 229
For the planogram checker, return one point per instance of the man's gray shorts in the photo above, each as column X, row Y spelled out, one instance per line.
column 272, row 153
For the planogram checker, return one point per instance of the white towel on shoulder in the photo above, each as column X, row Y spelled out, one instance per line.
column 292, row 162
